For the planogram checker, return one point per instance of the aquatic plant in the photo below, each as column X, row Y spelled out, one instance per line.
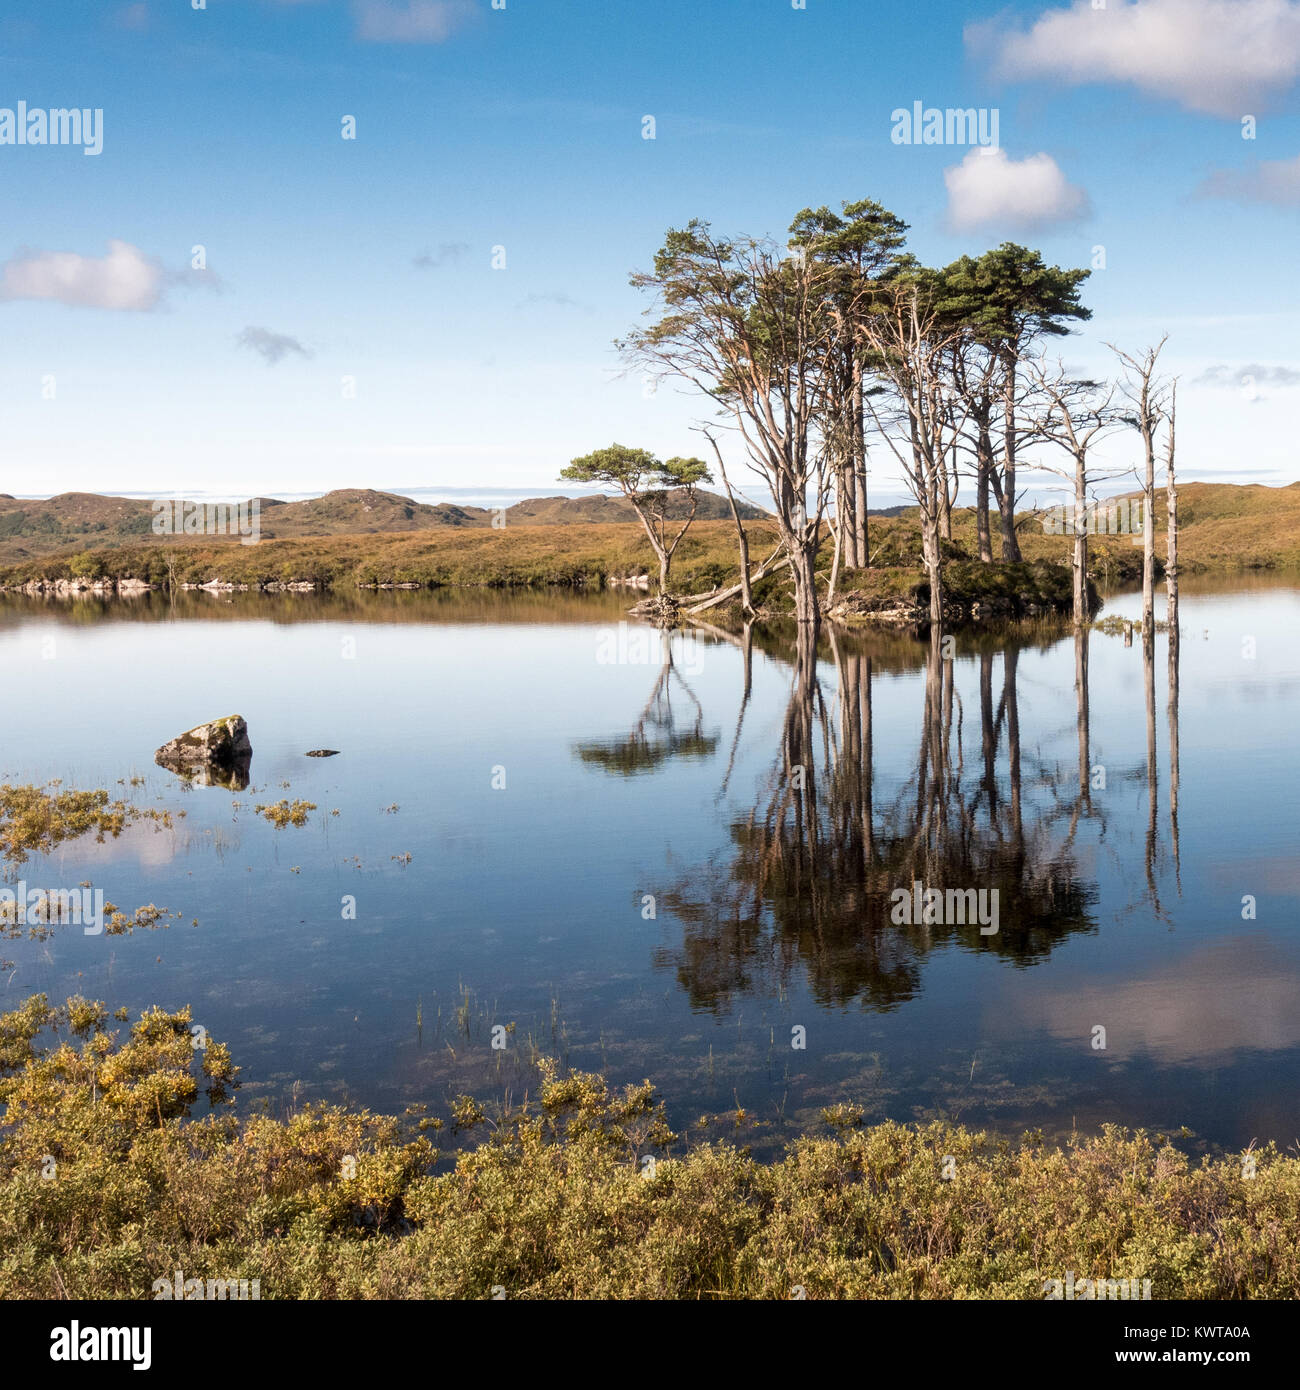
column 37, row 818
column 286, row 813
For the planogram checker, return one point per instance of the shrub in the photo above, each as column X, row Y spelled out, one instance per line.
column 558, row 1201
column 85, row 565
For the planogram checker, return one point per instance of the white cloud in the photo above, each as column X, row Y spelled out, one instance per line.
column 1247, row 379
column 123, row 279
column 1225, row 57
column 989, row 189
column 272, row 347
column 447, row 252
column 1217, row 1001
column 416, row 21
column 1275, row 181
column 556, row 297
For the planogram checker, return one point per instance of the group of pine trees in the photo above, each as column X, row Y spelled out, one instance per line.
column 839, row 342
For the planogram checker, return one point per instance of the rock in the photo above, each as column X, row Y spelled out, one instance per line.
column 215, row 754
column 878, row 609
column 323, row 753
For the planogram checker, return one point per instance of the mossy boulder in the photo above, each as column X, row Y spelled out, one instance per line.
column 218, row 753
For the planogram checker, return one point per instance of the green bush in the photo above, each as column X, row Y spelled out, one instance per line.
column 558, row 1201
column 85, row 565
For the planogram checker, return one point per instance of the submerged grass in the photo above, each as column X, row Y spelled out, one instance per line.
column 284, row 812
column 40, row 924
column 37, row 818
column 108, row 1182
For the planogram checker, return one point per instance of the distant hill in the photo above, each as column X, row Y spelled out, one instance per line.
column 356, row 511
column 90, row 521
column 548, row 511
column 1224, row 525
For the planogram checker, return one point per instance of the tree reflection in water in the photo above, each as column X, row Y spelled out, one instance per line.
column 660, row 734
column 806, row 888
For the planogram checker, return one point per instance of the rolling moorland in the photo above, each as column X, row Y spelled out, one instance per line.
column 357, row 538
column 49, row 526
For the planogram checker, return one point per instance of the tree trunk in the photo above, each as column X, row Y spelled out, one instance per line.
column 1173, row 742
column 742, row 544
column 1149, row 542
column 936, row 594
column 988, row 733
column 945, row 500
column 803, row 560
column 929, row 468
column 859, row 471
column 844, row 518
column 1081, row 712
column 656, row 544
column 1171, row 614
column 1153, row 786
column 933, row 567
column 868, row 773
column 1007, row 510
column 742, row 540
column 1010, row 663
column 835, row 563
column 1080, row 541
column 1007, row 501
column 1171, row 539
column 983, row 467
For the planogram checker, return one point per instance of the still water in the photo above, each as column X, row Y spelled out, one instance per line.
column 539, row 830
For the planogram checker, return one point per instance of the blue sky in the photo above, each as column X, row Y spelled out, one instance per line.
column 369, row 261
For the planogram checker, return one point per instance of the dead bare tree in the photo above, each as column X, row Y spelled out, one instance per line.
column 1075, row 414
column 1171, row 520
column 1145, row 397
column 742, row 540
column 169, row 561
